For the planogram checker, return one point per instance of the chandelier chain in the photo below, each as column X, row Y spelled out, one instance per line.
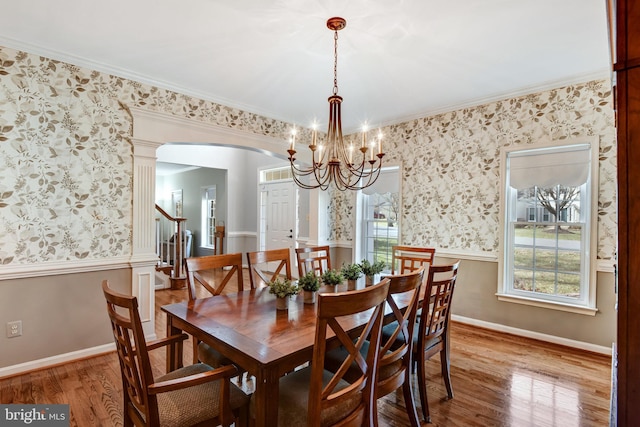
column 335, row 63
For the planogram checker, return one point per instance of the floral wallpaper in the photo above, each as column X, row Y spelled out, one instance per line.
column 66, row 191
column 451, row 165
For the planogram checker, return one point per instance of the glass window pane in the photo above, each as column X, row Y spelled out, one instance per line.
column 523, row 258
column 523, row 280
column 546, row 259
column 569, row 285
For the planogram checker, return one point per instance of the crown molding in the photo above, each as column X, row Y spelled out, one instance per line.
column 604, row 74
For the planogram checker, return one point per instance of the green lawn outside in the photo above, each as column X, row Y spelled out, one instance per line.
column 566, row 261
column 568, row 284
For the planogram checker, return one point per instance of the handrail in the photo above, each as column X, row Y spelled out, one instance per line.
column 177, row 249
column 169, row 217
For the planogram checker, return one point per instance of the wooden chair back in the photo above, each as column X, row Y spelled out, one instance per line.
column 436, row 310
column 317, row 259
column 209, row 271
column 408, row 258
column 397, row 338
column 135, row 367
column 359, row 394
column 260, row 267
column 433, row 327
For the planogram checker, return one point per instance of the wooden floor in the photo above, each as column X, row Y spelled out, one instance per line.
column 498, row 380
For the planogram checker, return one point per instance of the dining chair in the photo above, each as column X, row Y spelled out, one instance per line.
column 191, row 395
column 409, row 258
column 313, row 396
column 316, row 258
column 260, row 263
column 394, row 367
column 212, row 272
column 433, row 328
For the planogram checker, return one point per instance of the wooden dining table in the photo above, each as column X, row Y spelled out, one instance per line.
column 246, row 328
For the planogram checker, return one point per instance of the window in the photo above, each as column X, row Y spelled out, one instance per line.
column 380, row 216
column 209, row 217
column 549, row 226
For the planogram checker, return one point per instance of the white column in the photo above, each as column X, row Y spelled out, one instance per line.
column 143, row 256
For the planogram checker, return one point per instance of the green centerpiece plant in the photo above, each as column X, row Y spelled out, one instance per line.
column 310, row 283
column 351, row 272
column 332, row 277
column 283, row 289
column 370, row 270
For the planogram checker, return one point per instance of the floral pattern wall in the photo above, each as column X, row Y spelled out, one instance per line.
column 66, row 190
column 451, row 166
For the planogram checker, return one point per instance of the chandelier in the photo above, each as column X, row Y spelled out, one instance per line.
column 348, row 167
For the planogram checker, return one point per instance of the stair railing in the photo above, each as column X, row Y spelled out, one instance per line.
column 171, row 245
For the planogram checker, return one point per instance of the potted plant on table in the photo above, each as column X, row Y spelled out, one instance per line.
column 310, row 283
column 351, row 272
column 370, row 270
column 332, row 277
column 283, row 289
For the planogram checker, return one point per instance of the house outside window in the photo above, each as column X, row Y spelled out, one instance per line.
column 548, row 239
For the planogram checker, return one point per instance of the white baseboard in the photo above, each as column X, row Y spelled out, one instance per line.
column 535, row 335
column 47, row 362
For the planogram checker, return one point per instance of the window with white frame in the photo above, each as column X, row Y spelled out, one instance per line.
column 549, row 226
column 209, row 217
column 380, row 216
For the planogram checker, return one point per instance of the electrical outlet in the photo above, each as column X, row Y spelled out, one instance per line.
column 14, row 329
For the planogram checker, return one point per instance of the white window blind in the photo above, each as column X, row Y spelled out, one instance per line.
column 548, row 167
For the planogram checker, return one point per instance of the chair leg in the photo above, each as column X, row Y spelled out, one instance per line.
column 408, row 401
column 422, row 387
column 445, row 368
column 195, row 350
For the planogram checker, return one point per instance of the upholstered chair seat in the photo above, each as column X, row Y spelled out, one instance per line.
column 194, row 405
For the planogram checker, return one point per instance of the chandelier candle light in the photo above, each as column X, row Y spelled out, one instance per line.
column 334, row 161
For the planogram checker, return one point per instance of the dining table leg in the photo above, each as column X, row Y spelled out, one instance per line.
column 174, row 350
column 266, row 399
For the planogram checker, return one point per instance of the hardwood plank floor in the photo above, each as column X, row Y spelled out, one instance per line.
column 498, row 380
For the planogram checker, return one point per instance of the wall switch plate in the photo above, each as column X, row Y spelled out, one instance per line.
column 14, row 329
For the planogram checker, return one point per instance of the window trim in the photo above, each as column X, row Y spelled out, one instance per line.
column 359, row 251
column 204, row 241
column 592, row 228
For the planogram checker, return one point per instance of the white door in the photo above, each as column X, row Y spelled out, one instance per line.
column 280, row 213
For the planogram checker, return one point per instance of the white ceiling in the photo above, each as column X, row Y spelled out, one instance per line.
column 397, row 60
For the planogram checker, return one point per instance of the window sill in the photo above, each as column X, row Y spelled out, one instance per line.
column 579, row 309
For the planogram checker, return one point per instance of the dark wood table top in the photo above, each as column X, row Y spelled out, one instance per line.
column 247, row 328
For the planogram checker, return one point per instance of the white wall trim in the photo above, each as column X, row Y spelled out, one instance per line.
column 58, row 359
column 605, row 265
column 534, row 335
column 56, row 268
column 161, row 127
column 468, row 255
column 55, row 360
